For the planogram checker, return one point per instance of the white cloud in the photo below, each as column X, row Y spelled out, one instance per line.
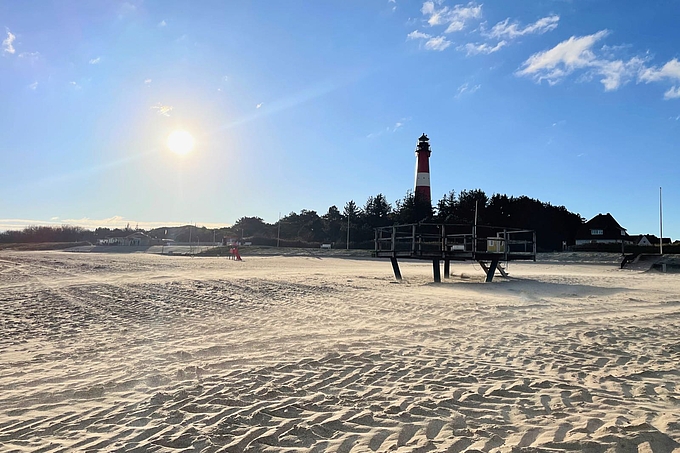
column 7, row 43
column 161, row 109
column 617, row 73
column 259, row 105
column 484, row 48
column 466, row 89
column 563, row 59
column 33, row 86
column 389, row 130
column 670, row 70
column 507, row 30
column 417, row 35
column 577, row 53
column 456, row 18
column 439, row 43
column 75, row 85
column 399, row 124
column 30, row 56
column 147, row 81
column 162, row 23
column 95, row 60
column 672, row 93
column 225, row 78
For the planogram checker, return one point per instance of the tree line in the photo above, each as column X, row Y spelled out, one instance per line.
column 553, row 224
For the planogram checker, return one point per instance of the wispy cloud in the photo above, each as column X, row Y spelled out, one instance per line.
column 456, row 18
column 161, row 109
column 483, row 48
column 617, row 73
column 162, row 23
column 439, row 43
column 75, row 85
column 459, row 17
column 554, row 64
column 30, row 56
column 672, row 93
column 670, row 70
column 8, row 43
column 147, row 81
column 259, row 105
column 512, row 30
column 33, row 86
column 466, row 89
column 95, row 60
column 578, row 53
column 418, row 35
column 389, row 129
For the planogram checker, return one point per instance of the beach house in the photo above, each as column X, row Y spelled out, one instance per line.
column 602, row 229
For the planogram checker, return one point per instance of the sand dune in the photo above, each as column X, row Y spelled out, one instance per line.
column 153, row 353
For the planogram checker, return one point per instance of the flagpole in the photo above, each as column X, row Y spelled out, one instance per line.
column 660, row 223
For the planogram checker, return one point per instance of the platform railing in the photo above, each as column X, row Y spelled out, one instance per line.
column 442, row 239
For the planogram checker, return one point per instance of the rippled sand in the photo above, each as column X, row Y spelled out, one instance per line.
column 154, row 353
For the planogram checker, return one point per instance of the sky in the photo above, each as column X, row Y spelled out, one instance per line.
column 306, row 104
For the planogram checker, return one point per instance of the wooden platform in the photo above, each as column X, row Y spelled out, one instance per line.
column 447, row 242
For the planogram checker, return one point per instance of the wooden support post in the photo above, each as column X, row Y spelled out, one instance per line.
column 413, row 239
column 395, row 268
column 393, row 243
column 447, row 268
column 492, row 270
column 503, row 272
column 436, row 270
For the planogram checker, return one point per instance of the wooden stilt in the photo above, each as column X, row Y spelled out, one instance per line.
column 503, row 272
column 437, row 274
column 447, row 268
column 492, row 270
column 395, row 268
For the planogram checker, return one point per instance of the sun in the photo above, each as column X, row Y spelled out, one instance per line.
column 180, row 142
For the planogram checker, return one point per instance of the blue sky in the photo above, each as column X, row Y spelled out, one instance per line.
column 306, row 104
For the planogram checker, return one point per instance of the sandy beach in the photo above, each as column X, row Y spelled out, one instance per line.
column 142, row 352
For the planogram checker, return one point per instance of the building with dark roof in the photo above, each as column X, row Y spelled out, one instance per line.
column 602, row 229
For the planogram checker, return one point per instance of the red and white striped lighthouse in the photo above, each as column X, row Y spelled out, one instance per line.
column 422, row 189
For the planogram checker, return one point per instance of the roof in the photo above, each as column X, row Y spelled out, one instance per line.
column 605, row 222
column 602, row 221
column 138, row 234
column 654, row 239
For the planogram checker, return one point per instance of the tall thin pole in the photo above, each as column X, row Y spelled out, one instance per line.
column 660, row 223
column 474, row 230
column 278, row 231
column 347, row 230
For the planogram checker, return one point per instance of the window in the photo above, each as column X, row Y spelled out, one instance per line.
column 596, row 232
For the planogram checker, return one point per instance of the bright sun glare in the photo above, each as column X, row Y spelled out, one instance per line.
column 180, row 142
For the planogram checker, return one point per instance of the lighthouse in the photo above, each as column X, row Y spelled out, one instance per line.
column 422, row 186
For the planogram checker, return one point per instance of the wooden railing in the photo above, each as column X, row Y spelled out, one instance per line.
column 446, row 240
